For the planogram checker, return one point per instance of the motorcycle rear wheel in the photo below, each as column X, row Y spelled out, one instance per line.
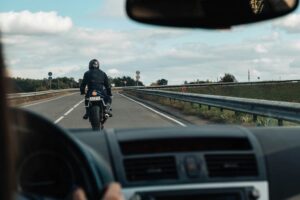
column 95, row 117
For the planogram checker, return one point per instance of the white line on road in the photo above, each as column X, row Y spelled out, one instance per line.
column 58, row 120
column 155, row 111
column 33, row 104
column 78, row 104
column 68, row 112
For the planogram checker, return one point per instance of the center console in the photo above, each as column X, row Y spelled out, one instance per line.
column 207, row 163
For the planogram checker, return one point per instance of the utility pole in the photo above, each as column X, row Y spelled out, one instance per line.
column 248, row 75
column 50, row 78
column 137, row 77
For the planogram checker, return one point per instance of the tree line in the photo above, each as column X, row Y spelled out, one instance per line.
column 124, row 81
column 224, row 79
column 33, row 85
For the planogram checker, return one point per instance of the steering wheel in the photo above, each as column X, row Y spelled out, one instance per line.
column 93, row 169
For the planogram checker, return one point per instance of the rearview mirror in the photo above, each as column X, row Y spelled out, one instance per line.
column 211, row 14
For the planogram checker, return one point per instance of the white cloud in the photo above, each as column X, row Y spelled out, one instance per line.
column 261, row 48
column 113, row 8
column 40, row 73
column 113, row 72
column 262, row 61
column 295, row 63
column 175, row 55
column 255, row 73
column 290, row 23
column 26, row 22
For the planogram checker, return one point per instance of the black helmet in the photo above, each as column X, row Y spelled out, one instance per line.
column 94, row 64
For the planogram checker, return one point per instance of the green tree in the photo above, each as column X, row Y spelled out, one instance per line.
column 125, row 81
column 162, row 82
column 32, row 85
column 228, row 78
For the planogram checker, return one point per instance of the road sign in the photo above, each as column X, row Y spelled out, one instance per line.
column 138, row 72
column 137, row 77
column 49, row 73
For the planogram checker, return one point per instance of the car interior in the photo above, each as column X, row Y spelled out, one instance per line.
column 209, row 162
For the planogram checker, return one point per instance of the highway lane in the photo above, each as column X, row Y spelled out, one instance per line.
column 54, row 107
column 68, row 110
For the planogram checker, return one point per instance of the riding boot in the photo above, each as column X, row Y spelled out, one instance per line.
column 108, row 109
column 86, row 115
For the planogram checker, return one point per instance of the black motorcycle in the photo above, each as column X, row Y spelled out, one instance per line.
column 97, row 106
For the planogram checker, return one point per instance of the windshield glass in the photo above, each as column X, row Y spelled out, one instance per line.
column 48, row 46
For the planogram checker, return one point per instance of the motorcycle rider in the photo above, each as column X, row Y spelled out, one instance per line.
column 96, row 79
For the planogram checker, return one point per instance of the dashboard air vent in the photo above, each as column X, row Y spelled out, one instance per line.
column 231, row 165
column 154, row 168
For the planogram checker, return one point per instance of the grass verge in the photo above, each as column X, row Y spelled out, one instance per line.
column 275, row 91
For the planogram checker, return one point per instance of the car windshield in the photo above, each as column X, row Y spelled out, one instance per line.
column 159, row 77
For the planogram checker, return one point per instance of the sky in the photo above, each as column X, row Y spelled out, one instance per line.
column 62, row 36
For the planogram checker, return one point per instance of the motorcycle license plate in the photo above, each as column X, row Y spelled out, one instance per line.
column 95, row 98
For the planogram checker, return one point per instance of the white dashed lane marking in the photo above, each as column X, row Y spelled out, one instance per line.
column 68, row 112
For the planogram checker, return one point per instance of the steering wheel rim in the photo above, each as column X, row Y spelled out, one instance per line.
column 95, row 171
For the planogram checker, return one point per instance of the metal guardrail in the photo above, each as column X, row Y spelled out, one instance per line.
column 31, row 94
column 275, row 109
column 213, row 84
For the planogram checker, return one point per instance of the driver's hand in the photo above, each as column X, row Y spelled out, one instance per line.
column 113, row 192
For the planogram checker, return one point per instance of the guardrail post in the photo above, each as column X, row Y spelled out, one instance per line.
column 254, row 118
column 221, row 109
column 280, row 122
column 209, row 107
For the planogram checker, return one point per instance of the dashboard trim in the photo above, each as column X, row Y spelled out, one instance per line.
column 261, row 186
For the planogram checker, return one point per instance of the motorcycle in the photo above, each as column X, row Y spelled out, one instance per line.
column 97, row 106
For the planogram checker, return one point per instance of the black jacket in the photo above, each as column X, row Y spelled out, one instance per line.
column 95, row 79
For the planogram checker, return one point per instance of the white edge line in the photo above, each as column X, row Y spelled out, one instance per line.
column 155, row 111
column 28, row 105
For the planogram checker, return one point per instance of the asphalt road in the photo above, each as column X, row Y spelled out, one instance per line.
column 67, row 111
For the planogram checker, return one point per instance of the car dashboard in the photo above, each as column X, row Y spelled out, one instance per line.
column 209, row 162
